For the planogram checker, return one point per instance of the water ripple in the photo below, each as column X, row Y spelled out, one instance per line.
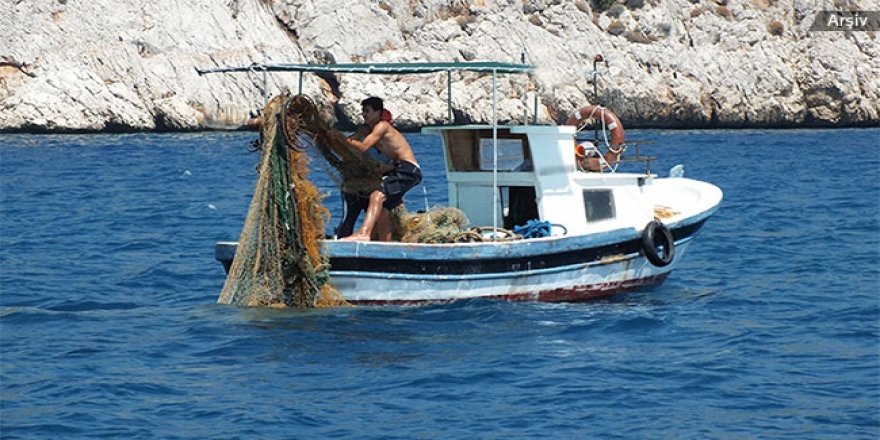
column 109, row 327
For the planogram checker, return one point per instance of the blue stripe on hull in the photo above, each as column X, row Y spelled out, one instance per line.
column 435, row 263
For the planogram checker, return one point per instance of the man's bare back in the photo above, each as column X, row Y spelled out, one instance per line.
column 392, row 143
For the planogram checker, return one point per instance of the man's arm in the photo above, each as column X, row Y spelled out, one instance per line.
column 362, row 131
column 372, row 139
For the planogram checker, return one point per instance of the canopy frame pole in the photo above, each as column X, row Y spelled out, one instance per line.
column 495, row 195
column 254, row 68
column 300, row 82
column 535, row 112
column 449, row 97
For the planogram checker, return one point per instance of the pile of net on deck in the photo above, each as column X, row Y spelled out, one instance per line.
column 280, row 260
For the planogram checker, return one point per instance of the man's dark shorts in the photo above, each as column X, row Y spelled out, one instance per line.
column 398, row 181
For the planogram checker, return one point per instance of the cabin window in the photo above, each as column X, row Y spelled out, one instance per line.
column 461, row 150
column 471, row 150
column 511, row 155
column 598, row 204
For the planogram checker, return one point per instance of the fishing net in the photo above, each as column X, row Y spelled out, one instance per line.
column 442, row 224
column 279, row 260
column 664, row 212
column 439, row 225
column 353, row 172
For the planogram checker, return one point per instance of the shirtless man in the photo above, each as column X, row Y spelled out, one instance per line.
column 395, row 183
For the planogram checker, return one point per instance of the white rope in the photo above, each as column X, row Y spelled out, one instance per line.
column 425, row 193
column 604, row 163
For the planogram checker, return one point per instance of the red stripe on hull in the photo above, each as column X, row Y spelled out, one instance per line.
column 568, row 294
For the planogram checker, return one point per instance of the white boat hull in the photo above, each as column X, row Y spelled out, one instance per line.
column 566, row 268
column 576, row 282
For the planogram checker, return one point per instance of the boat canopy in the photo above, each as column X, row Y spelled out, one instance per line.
column 379, row 68
column 491, row 67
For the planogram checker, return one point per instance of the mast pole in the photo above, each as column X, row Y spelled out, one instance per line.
column 596, row 60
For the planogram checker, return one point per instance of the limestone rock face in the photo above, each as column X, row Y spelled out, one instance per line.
column 68, row 65
column 130, row 65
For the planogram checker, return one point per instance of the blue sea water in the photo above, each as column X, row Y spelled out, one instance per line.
column 109, row 328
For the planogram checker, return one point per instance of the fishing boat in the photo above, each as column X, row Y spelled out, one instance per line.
column 604, row 231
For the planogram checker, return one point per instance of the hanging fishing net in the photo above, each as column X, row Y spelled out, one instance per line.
column 353, row 172
column 279, row 260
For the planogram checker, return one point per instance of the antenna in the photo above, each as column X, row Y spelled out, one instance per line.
column 595, row 79
column 594, row 75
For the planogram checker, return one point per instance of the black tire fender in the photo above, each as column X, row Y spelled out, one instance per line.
column 656, row 234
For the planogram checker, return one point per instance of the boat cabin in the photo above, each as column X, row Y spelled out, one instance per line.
column 528, row 172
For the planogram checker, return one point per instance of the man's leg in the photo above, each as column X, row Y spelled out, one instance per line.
column 382, row 232
column 353, row 205
column 377, row 198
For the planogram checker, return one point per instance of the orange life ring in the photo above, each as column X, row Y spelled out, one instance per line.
column 611, row 123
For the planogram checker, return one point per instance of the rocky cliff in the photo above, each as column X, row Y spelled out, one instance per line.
column 91, row 65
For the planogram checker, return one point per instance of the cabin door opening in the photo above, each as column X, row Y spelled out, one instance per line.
column 519, row 205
